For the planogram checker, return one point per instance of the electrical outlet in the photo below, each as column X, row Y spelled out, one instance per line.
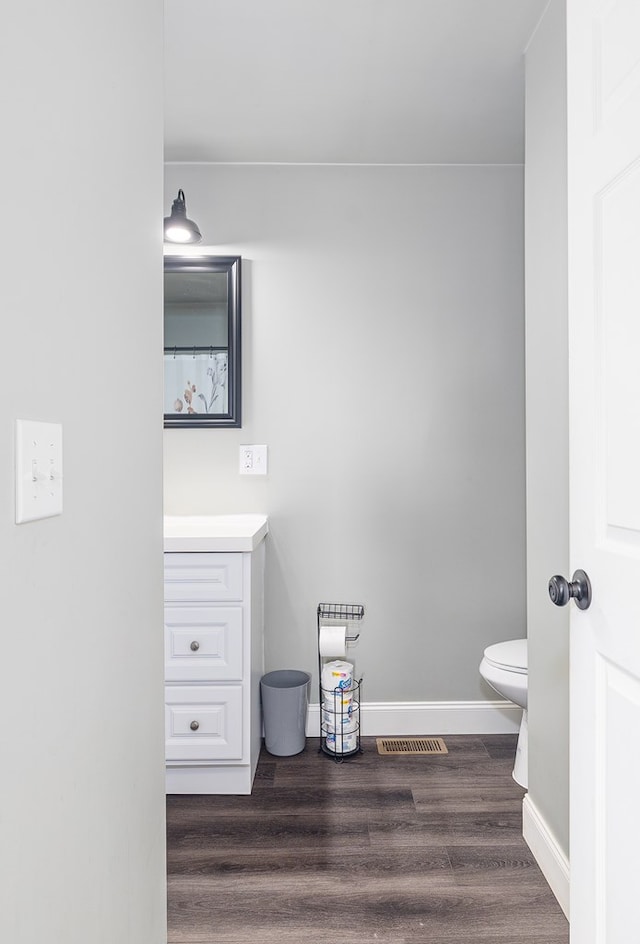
column 253, row 460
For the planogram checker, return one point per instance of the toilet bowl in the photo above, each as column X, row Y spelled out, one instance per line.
column 504, row 667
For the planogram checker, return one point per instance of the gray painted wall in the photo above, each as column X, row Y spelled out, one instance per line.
column 81, row 692
column 383, row 366
column 547, row 418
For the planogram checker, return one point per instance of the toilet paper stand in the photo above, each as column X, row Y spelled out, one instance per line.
column 339, row 707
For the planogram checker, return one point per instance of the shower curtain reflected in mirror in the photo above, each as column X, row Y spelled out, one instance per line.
column 196, row 383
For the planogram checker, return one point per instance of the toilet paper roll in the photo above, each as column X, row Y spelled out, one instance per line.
column 337, row 676
column 337, row 703
column 345, row 721
column 341, row 743
column 333, row 641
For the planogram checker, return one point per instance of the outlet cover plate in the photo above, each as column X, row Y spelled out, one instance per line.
column 253, row 460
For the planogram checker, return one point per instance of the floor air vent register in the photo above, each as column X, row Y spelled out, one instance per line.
column 414, row 745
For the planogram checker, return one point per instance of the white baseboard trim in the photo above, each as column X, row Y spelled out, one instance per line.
column 553, row 863
column 385, row 719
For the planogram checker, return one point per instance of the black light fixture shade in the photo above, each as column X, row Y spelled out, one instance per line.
column 177, row 228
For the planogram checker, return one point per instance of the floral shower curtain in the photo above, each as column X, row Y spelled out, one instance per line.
column 195, row 382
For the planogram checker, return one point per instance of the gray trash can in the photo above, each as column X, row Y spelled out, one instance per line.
column 285, row 696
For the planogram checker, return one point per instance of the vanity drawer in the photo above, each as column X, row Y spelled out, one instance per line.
column 195, row 578
column 203, row 643
column 203, row 722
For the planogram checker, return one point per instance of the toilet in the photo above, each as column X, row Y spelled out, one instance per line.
column 504, row 667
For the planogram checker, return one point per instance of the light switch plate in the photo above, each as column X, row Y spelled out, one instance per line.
column 253, row 460
column 38, row 470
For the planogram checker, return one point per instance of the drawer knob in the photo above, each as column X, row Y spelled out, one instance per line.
column 194, row 725
column 195, row 645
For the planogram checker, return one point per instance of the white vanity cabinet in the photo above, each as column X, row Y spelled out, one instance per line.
column 213, row 629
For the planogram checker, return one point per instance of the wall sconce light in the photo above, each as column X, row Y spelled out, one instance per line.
column 177, row 228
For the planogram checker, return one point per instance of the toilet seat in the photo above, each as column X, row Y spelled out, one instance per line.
column 511, row 656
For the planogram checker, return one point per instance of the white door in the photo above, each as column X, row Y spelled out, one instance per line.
column 603, row 53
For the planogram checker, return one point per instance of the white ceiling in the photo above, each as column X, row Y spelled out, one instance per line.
column 354, row 81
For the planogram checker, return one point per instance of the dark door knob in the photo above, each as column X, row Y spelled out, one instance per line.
column 579, row 589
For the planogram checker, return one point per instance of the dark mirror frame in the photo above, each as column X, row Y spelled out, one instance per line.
column 231, row 265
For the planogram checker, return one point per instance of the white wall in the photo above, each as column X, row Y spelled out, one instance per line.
column 383, row 366
column 547, row 419
column 81, row 739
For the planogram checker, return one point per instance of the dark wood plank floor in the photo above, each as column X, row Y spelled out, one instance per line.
column 396, row 849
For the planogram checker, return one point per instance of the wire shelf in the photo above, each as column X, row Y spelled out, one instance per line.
column 340, row 611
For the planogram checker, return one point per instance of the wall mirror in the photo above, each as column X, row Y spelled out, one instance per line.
column 202, row 341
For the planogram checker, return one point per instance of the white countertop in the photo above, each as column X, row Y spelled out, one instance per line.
column 214, row 532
